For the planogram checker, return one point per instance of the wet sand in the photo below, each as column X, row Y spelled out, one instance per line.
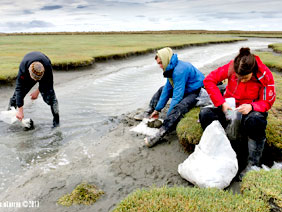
column 118, row 164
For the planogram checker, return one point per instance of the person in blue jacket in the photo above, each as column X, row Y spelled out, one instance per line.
column 183, row 86
column 35, row 67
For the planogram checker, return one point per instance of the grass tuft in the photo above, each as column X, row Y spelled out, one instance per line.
column 83, row 194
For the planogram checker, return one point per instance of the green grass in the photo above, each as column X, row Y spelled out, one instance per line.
column 179, row 199
column 83, row 194
column 278, row 35
column 277, row 47
column 264, row 185
column 260, row 191
column 188, row 130
column 272, row 61
column 83, row 49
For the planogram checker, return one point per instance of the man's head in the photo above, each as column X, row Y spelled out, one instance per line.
column 163, row 57
column 36, row 71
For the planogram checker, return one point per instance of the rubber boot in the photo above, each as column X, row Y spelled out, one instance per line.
column 151, row 141
column 56, row 117
column 255, row 152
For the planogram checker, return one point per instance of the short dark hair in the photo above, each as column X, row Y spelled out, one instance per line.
column 245, row 62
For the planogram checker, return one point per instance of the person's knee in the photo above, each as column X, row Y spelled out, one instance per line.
column 49, row 97
column 255, row 125
column 206, row 117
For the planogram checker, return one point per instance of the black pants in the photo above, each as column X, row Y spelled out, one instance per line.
column 49, row 98
column 179, row 110
column 253, row 125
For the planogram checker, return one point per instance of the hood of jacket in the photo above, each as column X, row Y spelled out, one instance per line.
column 165, row 55
column 173, row 63
column 263, row 72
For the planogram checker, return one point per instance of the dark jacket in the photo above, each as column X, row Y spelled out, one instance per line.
column 24, row 82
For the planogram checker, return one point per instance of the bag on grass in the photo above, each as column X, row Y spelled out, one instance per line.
column 234, row 118
column 213, row 163
column 233, row 128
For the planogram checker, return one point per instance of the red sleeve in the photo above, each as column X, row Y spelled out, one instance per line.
column 267, row 95
column 211, row 81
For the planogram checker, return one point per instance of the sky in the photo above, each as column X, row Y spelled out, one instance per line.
column 140, row 15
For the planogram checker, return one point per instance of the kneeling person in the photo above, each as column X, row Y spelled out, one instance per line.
column 183, row 85
column 35, row 67
column 251, row 83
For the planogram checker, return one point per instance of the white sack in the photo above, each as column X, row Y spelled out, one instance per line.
column 142, row 128
column 213, row 163
column 204, row 99
column 9, row 117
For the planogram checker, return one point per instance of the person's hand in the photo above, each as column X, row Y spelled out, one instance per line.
column 244, row 108
column 20, row 114
column 225, row 107
column 34, row 95
column 154, row 115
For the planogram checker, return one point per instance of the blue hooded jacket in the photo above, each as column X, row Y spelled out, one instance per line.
column 186, row 79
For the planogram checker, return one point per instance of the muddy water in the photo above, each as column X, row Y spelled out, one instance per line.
column 90, row 103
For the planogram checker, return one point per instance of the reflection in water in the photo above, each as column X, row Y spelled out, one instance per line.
column 87, row 106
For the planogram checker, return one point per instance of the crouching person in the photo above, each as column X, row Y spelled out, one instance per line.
column 35, row 67
column 183, row 85
column 251, row 83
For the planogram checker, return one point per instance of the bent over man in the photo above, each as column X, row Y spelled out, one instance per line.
column 35, row 67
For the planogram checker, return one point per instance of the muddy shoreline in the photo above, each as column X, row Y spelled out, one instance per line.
column 118, row 164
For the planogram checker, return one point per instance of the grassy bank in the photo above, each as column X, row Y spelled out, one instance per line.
column 260, row 191
column 178, row 199
column 70, row 51
column 277, row 47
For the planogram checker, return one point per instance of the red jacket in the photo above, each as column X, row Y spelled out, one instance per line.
column 259, row 91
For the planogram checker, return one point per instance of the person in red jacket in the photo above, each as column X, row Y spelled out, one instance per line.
column 251, row 83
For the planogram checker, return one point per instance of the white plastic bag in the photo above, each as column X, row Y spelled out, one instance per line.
column 234, row 118
column 142, row 128
column 204, row 99
column 213, row 163
column 9, row 117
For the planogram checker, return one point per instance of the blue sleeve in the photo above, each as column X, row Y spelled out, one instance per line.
column 178, row 90
column 166, row 94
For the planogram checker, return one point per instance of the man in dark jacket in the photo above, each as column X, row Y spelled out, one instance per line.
column 35, row 67
column 183, row 85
